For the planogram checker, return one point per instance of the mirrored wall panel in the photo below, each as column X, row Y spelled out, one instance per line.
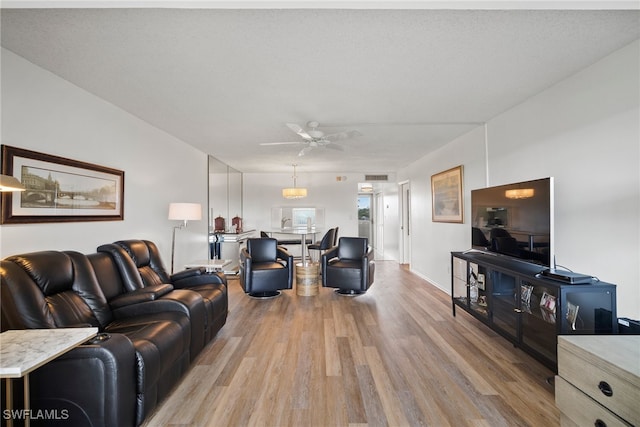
column 225, row 195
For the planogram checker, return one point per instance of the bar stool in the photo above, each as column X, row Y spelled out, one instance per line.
column 323, row 245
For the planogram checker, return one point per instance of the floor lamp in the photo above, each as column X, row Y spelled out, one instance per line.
column 182, row 212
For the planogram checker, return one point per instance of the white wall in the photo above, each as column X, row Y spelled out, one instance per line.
column 585, row 132
column 261, row 192
column 339, row 199
column 45, row 113
column 432, row 242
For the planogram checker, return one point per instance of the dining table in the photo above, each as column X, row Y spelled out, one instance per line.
column 303, row 233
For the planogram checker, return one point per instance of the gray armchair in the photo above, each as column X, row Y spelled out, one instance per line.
column 265, row 268
column 349, row 266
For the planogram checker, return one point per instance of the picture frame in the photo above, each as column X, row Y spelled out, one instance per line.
column 446, row 196
column 548, row 302
column 525, row 294
column 59, row 189
column 572, row 315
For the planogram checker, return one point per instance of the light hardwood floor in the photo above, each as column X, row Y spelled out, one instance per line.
column 392, row 357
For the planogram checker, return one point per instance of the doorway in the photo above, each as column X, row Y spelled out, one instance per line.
column 364, row 216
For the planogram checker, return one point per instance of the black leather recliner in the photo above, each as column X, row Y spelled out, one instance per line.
column 349, row 266
column 265, row 268
column 115, row 382
column 125, row 302
column 140, row 265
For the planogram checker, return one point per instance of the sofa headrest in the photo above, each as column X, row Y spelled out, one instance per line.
column 146, row 257
column 137, row 250
column 53, row 289
column 127, row 269
column 52, row 271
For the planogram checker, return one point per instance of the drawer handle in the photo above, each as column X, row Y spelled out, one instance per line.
column 605, row 388
column 600, row 423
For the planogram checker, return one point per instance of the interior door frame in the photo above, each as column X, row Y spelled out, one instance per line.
column 377, row 219
column 405, row 222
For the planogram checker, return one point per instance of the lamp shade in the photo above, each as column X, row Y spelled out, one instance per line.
column 185, row 211
column 10, row 183
column 294, row 193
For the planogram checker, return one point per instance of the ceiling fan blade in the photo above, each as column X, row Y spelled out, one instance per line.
column 282, row 143
column 333, row 146
column 297, row 129
column 342, row 135
column 304, row 151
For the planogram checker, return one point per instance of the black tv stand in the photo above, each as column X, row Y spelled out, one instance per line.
column 511, row 297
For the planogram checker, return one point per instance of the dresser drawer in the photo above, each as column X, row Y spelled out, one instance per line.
column 605, row 378
column 581, row 410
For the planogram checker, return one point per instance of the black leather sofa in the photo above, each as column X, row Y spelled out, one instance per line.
column 151, row 334
column 139, row 262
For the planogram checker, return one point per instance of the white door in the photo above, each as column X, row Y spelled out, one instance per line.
column 405, row 223
column 378, row 224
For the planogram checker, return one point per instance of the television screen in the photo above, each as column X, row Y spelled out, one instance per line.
column 515, row 220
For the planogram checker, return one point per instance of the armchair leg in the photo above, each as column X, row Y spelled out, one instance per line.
column 348, row 292
column 264, row 295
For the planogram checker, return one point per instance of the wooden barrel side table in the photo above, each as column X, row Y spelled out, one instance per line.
column 307, row 279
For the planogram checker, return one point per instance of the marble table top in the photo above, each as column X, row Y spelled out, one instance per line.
column 22, row 351
column 209, row 264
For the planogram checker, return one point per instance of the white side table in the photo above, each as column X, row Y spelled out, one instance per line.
column 23, row 351
column 210, row 265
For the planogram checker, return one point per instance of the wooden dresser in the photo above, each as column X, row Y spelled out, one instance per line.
column 598, row 381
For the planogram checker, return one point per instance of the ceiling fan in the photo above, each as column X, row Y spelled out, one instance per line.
column 314, row 138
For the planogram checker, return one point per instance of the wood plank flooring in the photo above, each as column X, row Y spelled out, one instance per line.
column 392, row 357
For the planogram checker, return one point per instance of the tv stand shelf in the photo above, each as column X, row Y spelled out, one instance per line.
column 512, row 298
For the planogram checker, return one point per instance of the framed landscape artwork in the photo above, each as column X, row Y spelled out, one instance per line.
column 58, row 189
column 446, row 195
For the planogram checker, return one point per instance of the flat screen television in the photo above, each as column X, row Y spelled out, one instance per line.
column 515, row 220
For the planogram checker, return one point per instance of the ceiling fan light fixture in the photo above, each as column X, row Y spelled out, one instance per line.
column 316, row 134
column 294, row 192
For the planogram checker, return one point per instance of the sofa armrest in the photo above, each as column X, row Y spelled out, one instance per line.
column 187, row 273
column 282, row 253
column 92, row 384
column 329, row 255
column 196, row 277
column 149, row 293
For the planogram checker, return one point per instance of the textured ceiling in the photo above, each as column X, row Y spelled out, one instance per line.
column 226, row 80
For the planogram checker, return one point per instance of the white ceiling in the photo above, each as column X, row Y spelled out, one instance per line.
column 226, row 80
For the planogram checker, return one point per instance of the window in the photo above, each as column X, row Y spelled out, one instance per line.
column 300, row 216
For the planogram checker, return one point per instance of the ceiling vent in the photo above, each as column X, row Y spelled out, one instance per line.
column 376, row 177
